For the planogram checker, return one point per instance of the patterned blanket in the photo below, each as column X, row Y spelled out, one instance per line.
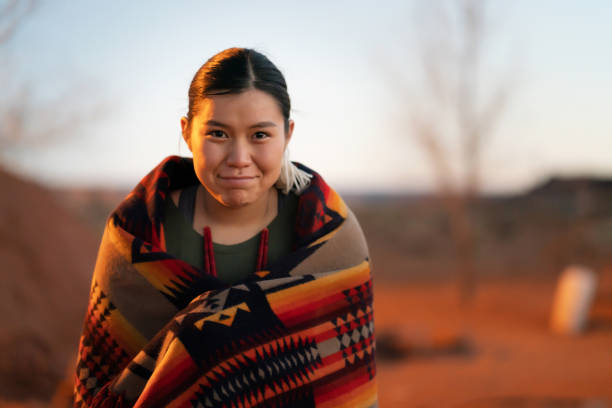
column 160, row 332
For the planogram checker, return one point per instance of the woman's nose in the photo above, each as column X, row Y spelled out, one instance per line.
column 239, row 154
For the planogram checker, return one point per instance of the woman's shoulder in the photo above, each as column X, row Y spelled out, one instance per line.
column 346, row 246
column 319, row 189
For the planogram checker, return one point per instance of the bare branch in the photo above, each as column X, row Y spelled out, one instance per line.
column 493, row 110
column 435, row 31
column 29, row 124
column 472, row 16
column 429, row 139
column 13, row 119
column 453, row 57
column 11, row 16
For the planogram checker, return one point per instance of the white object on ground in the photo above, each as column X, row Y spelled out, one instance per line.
column 573, row 298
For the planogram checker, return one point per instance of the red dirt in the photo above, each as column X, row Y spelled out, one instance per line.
column 515, row 354
column 46, row 259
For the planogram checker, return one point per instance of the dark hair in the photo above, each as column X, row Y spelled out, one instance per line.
column 236, row 70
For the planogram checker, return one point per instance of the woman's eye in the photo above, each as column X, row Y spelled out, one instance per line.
column 260, row 136
column 217, row 134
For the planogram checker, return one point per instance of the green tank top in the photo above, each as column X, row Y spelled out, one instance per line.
column 233, row 262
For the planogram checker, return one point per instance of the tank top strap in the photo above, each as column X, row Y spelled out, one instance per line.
column 281, row 201
column 187, row 202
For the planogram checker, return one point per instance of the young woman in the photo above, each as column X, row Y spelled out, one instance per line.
column 236, row 278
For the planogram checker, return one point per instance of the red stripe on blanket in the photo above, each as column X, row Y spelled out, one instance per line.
column 177, row 367
column 332, row 390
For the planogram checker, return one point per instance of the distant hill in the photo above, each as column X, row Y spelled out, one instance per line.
column 573, row 185
column 46, row 257
column 558, row 221
column 92, row 206
column 580, row 196
column 536, row 233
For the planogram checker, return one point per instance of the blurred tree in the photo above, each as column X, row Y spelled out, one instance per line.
column 13, row 106
column 29, row 123
column 11, row 14
column 459, row 105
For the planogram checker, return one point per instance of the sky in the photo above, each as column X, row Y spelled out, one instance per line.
column 116, row 75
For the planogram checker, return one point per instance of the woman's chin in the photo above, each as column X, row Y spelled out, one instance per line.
column 236, row 199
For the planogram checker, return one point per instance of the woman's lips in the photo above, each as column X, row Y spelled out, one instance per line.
column 236, row 181
column 237, row 177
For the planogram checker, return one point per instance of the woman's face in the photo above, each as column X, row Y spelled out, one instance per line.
column 238, row 141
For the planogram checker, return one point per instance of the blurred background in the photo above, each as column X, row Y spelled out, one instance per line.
column 471, row 138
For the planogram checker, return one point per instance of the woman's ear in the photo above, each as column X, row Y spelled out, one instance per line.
column 289, row 132
column 185, row 132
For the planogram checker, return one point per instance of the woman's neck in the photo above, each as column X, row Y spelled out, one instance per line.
column 232, row 225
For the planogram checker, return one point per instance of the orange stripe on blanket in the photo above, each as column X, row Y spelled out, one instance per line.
column 174, row 367
column 313, row 310
column 335, row 363
column 121, row 239
column 162, row 274
column 313, row 291
column 336, row 203
column 124, row 333
column 356, row 389
column 363, row 395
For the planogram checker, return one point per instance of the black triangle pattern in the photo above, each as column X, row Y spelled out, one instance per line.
column 184, row 290
column 97, row 344
column 359, row 294
column 355, row 340
column 138, row 255
column 355, row 360
column 372, row 367
column 281, row 364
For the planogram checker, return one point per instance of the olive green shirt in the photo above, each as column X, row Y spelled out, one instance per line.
column 233, row 262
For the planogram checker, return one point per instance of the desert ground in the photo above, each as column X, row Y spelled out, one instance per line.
column 510, row 358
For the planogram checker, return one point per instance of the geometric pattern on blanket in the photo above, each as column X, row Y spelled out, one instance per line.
column 273, row 340
column 97, row 345
column 283, row 360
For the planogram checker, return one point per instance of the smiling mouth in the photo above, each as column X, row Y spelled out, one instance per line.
column 237, row 181
column 237, row 177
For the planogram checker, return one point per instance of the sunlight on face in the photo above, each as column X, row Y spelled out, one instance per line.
column 238, row 141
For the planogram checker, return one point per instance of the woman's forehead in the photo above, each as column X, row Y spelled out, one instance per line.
column 252, row 104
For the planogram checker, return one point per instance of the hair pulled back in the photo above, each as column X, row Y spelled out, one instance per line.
column 236, row 70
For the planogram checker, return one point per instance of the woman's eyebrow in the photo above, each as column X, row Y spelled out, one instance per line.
column 212, row 122
column 263, row 124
